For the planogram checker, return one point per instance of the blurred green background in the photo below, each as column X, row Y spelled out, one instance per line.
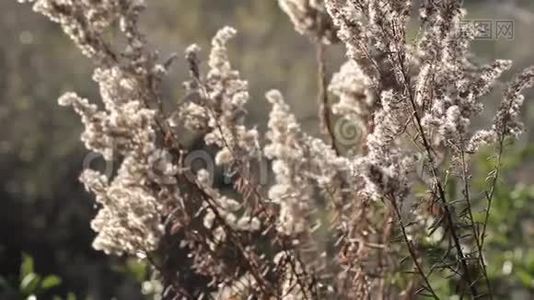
column 45, row 238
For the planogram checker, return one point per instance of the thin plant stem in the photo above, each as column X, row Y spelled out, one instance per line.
column 322, row 97
column 472, row 222
column 411, row 249
column 489, row 195
column 441, row 192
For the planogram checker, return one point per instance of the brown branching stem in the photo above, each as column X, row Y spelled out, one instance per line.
column 267, row 290
column 473, row 225
column 489, row 195
column 411, row 250
column 322, row 97
column 435, row 175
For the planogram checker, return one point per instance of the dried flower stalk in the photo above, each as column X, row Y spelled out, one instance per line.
column 325, row 228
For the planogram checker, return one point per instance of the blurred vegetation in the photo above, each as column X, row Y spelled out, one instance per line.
column 30, row 285
column 45, row 213
column 510, row 243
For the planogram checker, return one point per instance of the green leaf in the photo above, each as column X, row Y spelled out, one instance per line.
column 137, row 269
column 525, row 278
column 30, row 283
column 71, row 296
column 26, row 267
column 50, row 281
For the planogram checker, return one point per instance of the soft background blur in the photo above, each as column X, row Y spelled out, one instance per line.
column 44, row 212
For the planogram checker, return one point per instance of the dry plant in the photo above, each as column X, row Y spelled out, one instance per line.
column 374, row 220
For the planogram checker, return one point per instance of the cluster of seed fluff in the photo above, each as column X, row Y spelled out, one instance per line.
column 306, row 169
column 219, row 104
column 368, row 29
column 292, row 190
column 225, row 208
column 129, row 218
column 427, row 93
column 318, row 161
column 386, row 166
column 124, row 119
column 356, row 102
column 228, row 94
column 450, row 114
column 130, row 207
column 83, row 21
column 310, row 18
column 507, row 121
column 445, row 93
column 350, row 23
column 448, row 86
column 353, row 89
